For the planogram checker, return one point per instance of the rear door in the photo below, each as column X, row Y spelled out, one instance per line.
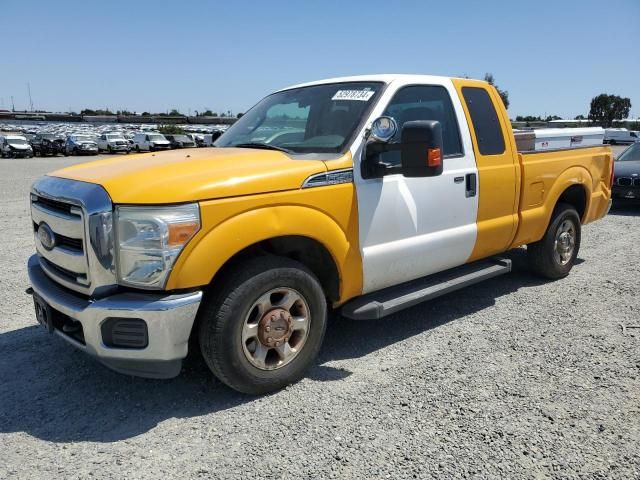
column 498, row 167
column 412, row 227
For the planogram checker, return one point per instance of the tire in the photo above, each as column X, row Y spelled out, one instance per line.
column 554, row 255
column 137, row 148
column 612, row 142
column 226, row 311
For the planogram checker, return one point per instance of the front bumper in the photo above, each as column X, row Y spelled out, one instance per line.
column 20, row 153
column 168, row 317
column 120, row 148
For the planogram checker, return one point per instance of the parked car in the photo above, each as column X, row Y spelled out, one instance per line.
column 614, row 136
column 197, row 138
column 45, row 144
column 148, row 141
column 15, row 146
column 626, row 183
column 81, row 145
column 210, row 138
column 403, row 188
column 113, row 142
column 180, row 141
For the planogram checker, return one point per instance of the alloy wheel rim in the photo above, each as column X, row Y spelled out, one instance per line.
column 565, row 242
column 276, row 328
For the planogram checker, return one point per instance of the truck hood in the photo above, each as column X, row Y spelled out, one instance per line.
column 206, row 173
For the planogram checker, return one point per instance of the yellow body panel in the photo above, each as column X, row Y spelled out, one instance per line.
column 328, row 215
column 498, row 182
column 196, row 174
column 546, row 175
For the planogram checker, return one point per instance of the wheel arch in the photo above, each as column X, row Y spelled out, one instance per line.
column 302, row 233
column 573, row 186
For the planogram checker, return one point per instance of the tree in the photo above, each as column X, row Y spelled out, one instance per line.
column 207, row 113
column 174, row 112
column 170, row 130
column 605, row 109
column 504, row 94
column 552, row 117
column 580, row 117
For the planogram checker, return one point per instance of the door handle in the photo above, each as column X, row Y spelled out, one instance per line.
column 458, row 179
column 471, row 185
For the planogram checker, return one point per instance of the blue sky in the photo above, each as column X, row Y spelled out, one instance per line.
column 552, row 56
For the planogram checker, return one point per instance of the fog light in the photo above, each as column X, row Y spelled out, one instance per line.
column 125, row 333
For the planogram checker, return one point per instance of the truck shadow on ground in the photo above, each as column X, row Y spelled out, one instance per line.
column 57, row 394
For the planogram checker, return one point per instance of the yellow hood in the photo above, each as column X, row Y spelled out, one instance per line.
column 195, row 174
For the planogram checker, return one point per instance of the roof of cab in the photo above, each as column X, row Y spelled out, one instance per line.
column 385, row 78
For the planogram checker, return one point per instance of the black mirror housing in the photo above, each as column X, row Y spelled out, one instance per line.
column 421, row 148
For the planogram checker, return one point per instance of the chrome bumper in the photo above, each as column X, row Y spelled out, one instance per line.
column 169, row 319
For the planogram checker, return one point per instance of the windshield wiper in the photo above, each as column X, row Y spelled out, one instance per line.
column 264, row 146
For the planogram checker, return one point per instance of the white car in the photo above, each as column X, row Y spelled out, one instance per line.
column 15, row 146
column 113, row 142
column 149, row 141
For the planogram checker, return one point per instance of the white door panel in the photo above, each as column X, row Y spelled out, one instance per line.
column 412, row 227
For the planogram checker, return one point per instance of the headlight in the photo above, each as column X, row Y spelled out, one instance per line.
column 149, row 240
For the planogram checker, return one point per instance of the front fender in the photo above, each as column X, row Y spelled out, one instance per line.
column 208, row 252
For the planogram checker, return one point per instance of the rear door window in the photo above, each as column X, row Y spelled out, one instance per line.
column 485, row 121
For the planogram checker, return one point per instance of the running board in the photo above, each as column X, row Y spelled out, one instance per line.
column 393, row 299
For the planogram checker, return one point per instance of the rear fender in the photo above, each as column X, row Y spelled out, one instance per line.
column 539, row 199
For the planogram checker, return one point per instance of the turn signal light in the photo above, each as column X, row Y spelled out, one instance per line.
column 180, row 233
column 434, row 158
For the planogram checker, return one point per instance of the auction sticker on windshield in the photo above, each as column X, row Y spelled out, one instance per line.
column 361, row 95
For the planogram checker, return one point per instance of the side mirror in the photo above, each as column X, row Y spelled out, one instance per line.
column 421, row 148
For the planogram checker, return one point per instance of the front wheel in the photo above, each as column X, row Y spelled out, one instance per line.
column 553, row 257
column 264, row 327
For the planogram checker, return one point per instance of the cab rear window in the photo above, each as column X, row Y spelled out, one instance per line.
column 485, row 121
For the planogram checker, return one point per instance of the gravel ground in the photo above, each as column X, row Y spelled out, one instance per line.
column 514, row 378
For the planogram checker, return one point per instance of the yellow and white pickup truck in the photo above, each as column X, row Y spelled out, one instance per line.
column 365, row 194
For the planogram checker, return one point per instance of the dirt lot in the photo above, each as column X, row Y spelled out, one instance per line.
column 514, row 378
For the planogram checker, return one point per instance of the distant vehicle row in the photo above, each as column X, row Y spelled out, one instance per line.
column 50, row 144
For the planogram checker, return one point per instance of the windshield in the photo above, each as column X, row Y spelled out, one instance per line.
column 319, row 118
column 181, row 138
column 16, row 141
column 156, row 137
column 631, row 154
column 83, row 138
column 115, row 137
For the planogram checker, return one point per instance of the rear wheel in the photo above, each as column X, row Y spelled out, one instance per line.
column 264, row 326
column 554, row 256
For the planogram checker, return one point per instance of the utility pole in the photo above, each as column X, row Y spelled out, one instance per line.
column 13, row 107
column 30, row 100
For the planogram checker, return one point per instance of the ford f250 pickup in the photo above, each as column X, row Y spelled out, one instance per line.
column 364, row 194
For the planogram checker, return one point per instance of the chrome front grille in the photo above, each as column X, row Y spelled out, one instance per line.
column 66, row 221
column 75, row 246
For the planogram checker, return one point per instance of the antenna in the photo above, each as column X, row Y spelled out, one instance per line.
column 30, row 100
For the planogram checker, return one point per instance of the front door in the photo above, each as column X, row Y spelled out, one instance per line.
column 412, row 227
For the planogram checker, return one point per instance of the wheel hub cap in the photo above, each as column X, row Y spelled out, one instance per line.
column 275, row 328
column 565, row 242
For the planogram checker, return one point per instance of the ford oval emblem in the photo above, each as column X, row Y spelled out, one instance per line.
column 46, row 236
